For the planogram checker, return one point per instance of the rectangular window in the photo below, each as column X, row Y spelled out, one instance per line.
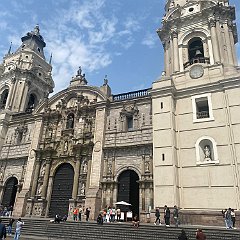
column 129, row 123
column 202, row 108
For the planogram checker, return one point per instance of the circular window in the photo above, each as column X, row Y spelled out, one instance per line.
column 190, row 9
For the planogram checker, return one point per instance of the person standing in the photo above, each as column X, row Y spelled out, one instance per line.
column 3, row 234
column 88, row 213
column 233, row 218
column 10, row 223
column 157, row 215
column 228, row 218
column 167, row 217
column 19, row 225
column 183, row 235
column 80, row 211
column 175, row 216
column 118, row 214
column 75, row 214
column 200, row 235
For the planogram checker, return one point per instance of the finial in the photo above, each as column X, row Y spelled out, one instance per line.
column 79, row 71
column 105, row 80
column 36, row 29
column 10, row 48
column 50, row 60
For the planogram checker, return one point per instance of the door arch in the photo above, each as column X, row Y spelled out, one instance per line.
column 10, row 192
column 61, row 190
column 128, row 189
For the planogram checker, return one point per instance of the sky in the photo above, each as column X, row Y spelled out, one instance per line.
column 104, row 37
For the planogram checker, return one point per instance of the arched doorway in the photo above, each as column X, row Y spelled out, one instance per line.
column 62, row 190
column 128, row 189
column 10, row 192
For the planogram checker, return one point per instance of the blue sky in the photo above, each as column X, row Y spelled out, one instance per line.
column 105, row 37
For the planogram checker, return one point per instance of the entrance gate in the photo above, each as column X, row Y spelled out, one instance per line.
column 10, row 192
column 128, row 189
column 62, row 190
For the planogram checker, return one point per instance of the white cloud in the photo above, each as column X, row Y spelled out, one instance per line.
column 149, row 40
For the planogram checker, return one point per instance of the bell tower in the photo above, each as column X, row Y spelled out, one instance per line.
column 25, row 76
column 198, row 32
column 194, row 103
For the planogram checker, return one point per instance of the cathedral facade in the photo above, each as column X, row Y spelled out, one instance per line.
column 176, row 143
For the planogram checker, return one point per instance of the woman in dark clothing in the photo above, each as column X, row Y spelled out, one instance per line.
column 167, row 217
column 200, row 235
column 183, row 235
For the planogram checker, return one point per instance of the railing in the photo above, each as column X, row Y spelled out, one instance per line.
column 197, row 60
column 131, row 95
column 202, row 114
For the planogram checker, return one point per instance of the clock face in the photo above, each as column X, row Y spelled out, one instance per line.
column 196, row 71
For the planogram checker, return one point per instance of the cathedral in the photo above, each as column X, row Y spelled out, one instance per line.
column 175, row 143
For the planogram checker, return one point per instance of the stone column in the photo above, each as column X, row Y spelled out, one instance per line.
column 35, row 177
column 215, row 44
column 228, row 43
column 205, row 48
column 175, row 52
column 10, row 95
column 46, row 178
column 76, row 178
column 232, row 44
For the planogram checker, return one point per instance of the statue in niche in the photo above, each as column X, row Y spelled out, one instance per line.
column 207, row 153
column 43, row 168
column 109, row 168
column 82, row 190
column 66, row 146
column 70, row 121
column 147, row 166
column 39, row 191
column 50, row 132
column 84, row 167
column 1, row 173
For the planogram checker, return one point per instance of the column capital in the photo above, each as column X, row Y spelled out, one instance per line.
column 174, row 33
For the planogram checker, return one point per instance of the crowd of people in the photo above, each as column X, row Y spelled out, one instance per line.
column 6, row 211
column 4, row 232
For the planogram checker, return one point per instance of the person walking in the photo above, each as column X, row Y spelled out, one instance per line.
column 175, row 216
column 75, row 214
column 3, row 234
column 200, row 235
column 87, row 213
column 10, row 223
column 19, row 225
column 183, row 235
column 157, row 215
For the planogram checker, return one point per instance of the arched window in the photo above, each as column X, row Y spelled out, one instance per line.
column 31, row 103
column 195, row 50
column 3, row 99
column 70, row 121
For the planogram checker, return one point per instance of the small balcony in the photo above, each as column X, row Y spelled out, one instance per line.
column 197, row 60
column 203, row 114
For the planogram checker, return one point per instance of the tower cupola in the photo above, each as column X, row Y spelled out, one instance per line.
column 33, row 40
column 201, row 32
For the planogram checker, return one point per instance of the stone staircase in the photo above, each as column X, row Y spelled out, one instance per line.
column 44, row 229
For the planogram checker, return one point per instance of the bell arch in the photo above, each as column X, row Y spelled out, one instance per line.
column 3, row 98
column 128, row 189
column 61, row 190
column 10, row 192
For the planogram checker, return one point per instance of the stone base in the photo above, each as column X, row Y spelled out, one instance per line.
column 93, row 201
column 21, row 203
column 197, row 217
column 39, row 207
